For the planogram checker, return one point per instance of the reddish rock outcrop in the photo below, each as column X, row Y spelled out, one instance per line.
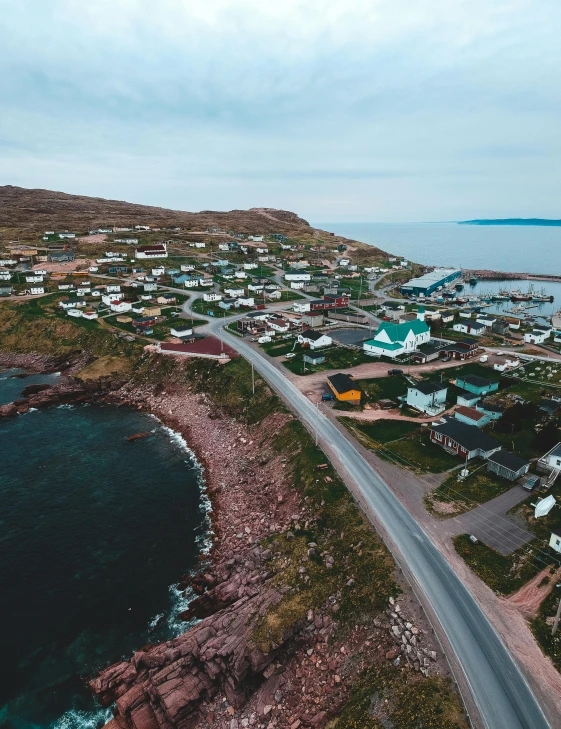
column 162, row 686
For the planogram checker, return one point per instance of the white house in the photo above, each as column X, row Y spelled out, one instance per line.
column 223, row 247
column 211, row 296
column 315, row 340
column 470, row 327
column 256, row 288
column 199, row 244
column 240, row 274
column 186, row 267
column 551, row 461
column 536, row 336
column 150, row 287
column 34, row 290
column 108, row 298
column 65, row 287
column 392, row 340
column 93, row 269
column 34, row 279
column 181, row 331
column 83, row 290
column 245, row 301
column 273, row 293
column 301, row 307
column 72, row 304
column 555, row 541
column 113, row 288
column 156, row 250
column 5, row 275
column 89, row 314
column 234, row 292
column 120, row 306
column 427, row 397
column 279, row 325
column 158, row 271
column 250, row 266
column 256, row 238
column 67, row 235
column 297, row 276
column 262, row 249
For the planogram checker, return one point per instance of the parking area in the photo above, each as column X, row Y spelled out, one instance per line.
column 349, row 336
column 492, row 524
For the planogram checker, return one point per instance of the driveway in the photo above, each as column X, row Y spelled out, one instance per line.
column 491, row 525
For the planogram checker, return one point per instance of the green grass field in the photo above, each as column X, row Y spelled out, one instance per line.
column 454, row 497
column 503, row 574
column 410, row 449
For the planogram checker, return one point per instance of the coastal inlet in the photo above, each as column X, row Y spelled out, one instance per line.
column 95, row 531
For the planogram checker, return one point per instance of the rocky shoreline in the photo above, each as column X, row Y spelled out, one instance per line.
column 216, row 675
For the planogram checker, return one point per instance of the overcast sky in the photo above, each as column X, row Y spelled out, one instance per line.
column 362, row 110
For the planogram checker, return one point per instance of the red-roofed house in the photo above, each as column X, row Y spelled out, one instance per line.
column 209, row 347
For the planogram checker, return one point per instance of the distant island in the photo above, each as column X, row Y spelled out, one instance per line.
column 512, row 221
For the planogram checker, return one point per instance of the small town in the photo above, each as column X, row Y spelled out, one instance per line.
column 415, row 372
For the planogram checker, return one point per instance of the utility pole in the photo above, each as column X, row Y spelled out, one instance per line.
column 556, row 621
column 252, row 378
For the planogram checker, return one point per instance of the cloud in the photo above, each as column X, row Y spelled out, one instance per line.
column 381, row 110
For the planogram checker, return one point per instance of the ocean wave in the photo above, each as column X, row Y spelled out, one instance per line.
column 74, row 719
column 181, row 599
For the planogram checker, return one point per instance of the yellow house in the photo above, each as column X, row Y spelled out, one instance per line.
column 152, row 311
column 344, row 388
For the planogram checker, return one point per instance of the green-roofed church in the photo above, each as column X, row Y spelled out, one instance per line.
column 393, row 340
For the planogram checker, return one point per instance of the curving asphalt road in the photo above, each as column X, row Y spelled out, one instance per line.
column 502, row 696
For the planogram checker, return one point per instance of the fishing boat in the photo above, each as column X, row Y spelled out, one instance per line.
column 459, row 287
column 473, row 280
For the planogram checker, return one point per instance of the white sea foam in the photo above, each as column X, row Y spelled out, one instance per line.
column 74, row 719
column 181, row 599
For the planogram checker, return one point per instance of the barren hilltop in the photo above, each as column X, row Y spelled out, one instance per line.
column 26, row 213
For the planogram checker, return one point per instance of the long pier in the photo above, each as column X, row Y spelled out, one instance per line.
column 485, row 274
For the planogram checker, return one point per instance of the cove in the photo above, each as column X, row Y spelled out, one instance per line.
column 95, row 531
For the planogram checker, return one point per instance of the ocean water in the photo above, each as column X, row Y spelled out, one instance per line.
column 523, row 249
column 13, row 381
column 95, row 532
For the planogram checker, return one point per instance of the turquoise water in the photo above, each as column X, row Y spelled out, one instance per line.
column 95, row 531
column 524, row 249
column 13, row 381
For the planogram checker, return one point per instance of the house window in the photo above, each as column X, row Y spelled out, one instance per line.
column 557, row 542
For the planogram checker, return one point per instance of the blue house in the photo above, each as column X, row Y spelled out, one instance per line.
column 491, row 409
column 475, row 384
column 181, row 279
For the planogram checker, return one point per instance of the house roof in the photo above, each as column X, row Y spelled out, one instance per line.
column 508, row 460
column 550, row 406
column 555, row 451
column 427, row 388
column 398, row 332
column 470, row 413
column 490, row 407
column 384, row 345
column 468, row 436
column 468, row 342
column 312, row 334
column 342, row 383
column 476, row 325
column 475, row 380
column 207, row 345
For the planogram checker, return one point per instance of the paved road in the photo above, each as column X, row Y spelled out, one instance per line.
column 499, row 690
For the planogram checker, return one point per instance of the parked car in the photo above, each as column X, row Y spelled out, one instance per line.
column 446, row 359
column 328, row 396
column 395, row 371
column 531, row 483
column 484, row 358
column 290, row 355
column 499, row 354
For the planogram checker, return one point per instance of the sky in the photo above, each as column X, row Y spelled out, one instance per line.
column 370, row 110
